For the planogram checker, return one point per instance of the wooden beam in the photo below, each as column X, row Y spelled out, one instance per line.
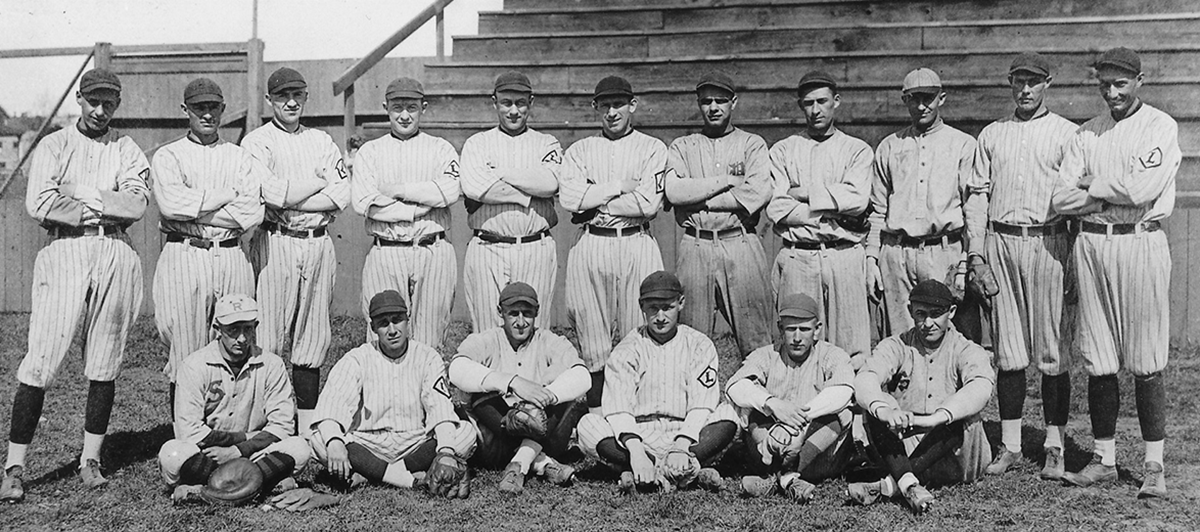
column 216, row 47
column 441, row 34
column 254, row 84
column 348, row 117
column 102, row 54
column 363, row 65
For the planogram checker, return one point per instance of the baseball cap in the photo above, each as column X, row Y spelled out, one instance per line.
column 1122, row 58
column 1031, row 62
column 513, row 81
column 404, row 88
column 922, row 80
column 799, row 306
column 613, row 85
column 387, row 302
column 932, row 292
column 813, row 80
column 97, row 79
column 518, row 292
column 718, row 80
column 232, row 308
column 202, row 90
column 285, row 79
column 660, row 285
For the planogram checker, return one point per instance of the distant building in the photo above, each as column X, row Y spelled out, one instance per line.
column 10, row 149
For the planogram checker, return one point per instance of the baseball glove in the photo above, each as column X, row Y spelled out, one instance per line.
column 235, row 482
column 980, row 278
column 681, row 477
column 448, row 477
column 525, row 420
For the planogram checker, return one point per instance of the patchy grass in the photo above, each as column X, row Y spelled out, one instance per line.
column 135, row 500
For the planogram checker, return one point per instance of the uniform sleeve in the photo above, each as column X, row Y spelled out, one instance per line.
column 176, row 200
column 42, row 199
column 470, row 369
column 784, row 209
column 851, row 194
column 333, row 171
column 622, row 373
column 435, row 394
column 747, row 386
column 1068, row 198
column 756, row 190
column 703, row 391
column 127, row 201
column 974, row 202
column 577, row 193
column 680, row 188
column 341, row 397
column 280, row 402
column 574, row 380
column 976, row 378
column 1147, row 173
column 838, row 389
column 247, row 208
column 364, row 191
column 878, row 369
column 190, row 390
column 444, row 189
column 646, row 199
column 981, row 186
column 881, row 190
column 274, row 188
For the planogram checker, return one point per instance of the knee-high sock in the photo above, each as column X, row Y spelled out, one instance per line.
column 1151, row 393
column 26, row 411
column 1056, row 398
column 1104, row 400
column 714, row 437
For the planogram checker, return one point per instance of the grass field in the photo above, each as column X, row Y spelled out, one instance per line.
column 135, row 500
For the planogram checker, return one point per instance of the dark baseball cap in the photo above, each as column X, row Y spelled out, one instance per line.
column 1031, row 62
column 404, row 88
column 387, row 302
column 98, row 79
column 716, row 79
column 285, row 79
column 513, row 81
column 932, row 292
column 1122, row 58
column 202, row 90
column 660, row 285
column 613, row 86
column 813, row 80
column 518, row 292
column 799, row 306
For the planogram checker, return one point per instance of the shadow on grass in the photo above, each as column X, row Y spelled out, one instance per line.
column 121, row 450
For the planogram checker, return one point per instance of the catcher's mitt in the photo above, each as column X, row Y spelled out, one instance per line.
column 980, row 278
column 234, row 482
column 448, row 477
column 525, row 420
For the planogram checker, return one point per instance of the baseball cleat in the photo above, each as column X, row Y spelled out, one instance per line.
column 558, row 474
column 626, row 485
column 1055, row 465
column 90, row 474
column 1094, row 473
column 755, row 486
column 11, row 489
column 919, row 498
column 185, row 493
column 800, row 490
column 513, row 480
column 1154, row 485
column 865, row 493
column 1003, row 462
column 710, row 479
column 286, row 484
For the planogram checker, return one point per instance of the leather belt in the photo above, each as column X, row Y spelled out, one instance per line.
column 1119, row 229
column 944, row 239
column 67, row 231
column 273, row 227
column 618, row 231
column 426, row 240
column 716, row 235
column 1029, row 230
column 202, row 243
column 656, row 417
column 493, row 238
column 815, row 246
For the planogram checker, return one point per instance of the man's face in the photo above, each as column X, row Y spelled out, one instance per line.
column 404, row 115
column 616, row 114
column 512, row 109
column 924, row 107
column 518, row 321
column 204, row 118
column 820, row 107
column 391, row 330
column 237, row 339
column 97, row 108
column 662, row 316
column 932, row 321
column 716, row 106
column 1028, row 90
column 287, row 105
column 798, row 336
column 1119, row 87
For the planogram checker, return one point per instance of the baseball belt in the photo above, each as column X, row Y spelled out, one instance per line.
column 202, row 243
column 1119, row 229
column 656, row 417
column 425, row 240
column 1029, row 230
column 815, row 246
column 721, row 234
column 944, row 239
column 273, row 227
column 65, row 231
column 618, row 231
column 493, row 238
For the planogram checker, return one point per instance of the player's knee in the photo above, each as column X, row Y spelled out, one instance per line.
column 298, row 449
column 171, row 457
column 464, row 438
column 591, row 429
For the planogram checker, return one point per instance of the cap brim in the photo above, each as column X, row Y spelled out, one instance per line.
column 1029, row 69
column 102, row 85
column 797, row 314
column 245, row 315
column 716, row 84
column 660, row 294
column 923, row 90
column 516, row 300
column 405, row 94
column 391, row 309
column 613, row 92
column 289, row 86
column 201, row 98
column 933, row 301
column 808, row 86
column 518, row 87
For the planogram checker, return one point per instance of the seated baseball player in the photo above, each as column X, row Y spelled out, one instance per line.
column 794, row 400
column 385, row 413
column 232, row 401
column 525, row 384
column 922, row 391
column 663, row 423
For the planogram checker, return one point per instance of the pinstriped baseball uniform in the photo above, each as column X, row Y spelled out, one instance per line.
column 391, row 406
column 835, row 174
column 542, row 359
column 497, row 208
column 728, row 273
column 97, row 278
column 424, row 274
column 1016, row 166
column 295, row 274
column 189, row 279
column 1123, row 279
column 604, row 271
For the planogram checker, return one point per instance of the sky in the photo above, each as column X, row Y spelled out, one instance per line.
column 290, row 30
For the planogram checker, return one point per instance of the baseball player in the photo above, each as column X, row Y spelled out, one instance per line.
column 521, row 363
column 822, row 187
column 404, row 185
column 794, row 400
column 923, row 390
column 1027, row 246
column 613, row 183
column 509, row 177
column 87, row 184
column 233, row 400
column 718, row 180
column 919, row 198
column 304, row 186
column 1118, row 176
column 208, row 194
column 663, row 422
column 385, row 413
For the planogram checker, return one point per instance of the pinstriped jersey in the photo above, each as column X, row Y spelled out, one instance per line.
column 597, row 161
column 305, row 154
column 1017, row 164
column 490, row 152
column 209, row 396
column 542, row 359
column 643, row 378
column 697, row 156
column 367, row 391
column 183, row 170
column 798, row 382
column 111, row 163
column 836, row 175
column 420, row 161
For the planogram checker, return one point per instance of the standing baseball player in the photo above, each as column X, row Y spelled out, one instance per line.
column 1118, row 176
column 208, row 194
column 613, row 183
column 1027, row 246
column 385, row 413
column 663, row 421
column 304, row 187
column 919, row 199
column 795, row 400
column 233, row 400
column 525, row 382
column 87, row 184
column 509, row 177
column 404, row 185
column 819, row 209
column 922, row 391
column 719, row 180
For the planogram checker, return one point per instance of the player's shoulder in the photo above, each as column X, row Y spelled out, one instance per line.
column 688, row 141
column 694, row 337
column 201, row 359
column 423, row 351
column 481, row 139
column 545, row 335
column 831, row 352
column 1154, row 116
column 762, row 354
column 260, row 134
column 643, row 139
column 480, row 339
column 964, row 348
column 269, row 360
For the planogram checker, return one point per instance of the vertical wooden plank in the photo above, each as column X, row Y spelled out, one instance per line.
column 441, row 34
column 10, row 256
column 102, row 54
column 1192, row 244
column 1178, row 235
column 348, row 118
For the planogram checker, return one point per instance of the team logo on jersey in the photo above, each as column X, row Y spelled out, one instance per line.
column 900, row 382
column 213, row 397
column 440, row 387
column 145, row 175
column 1152, row 159
column 552, row 157
column 660, row 181
column 708, row 377
column 453, row 170
column 341, row 169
